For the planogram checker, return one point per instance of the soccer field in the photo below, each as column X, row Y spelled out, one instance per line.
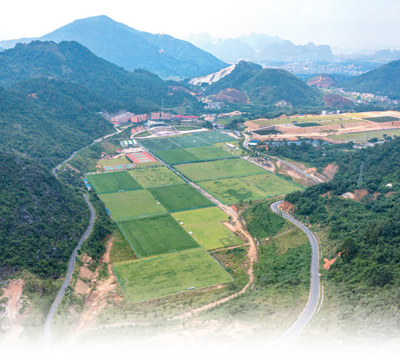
column 173, row 273
column 234, row 190
column 112, row 182
column 219, row 169
column 180, row 197
column 155, row 177
column 156, row 235
column 132, row 204
column 189, row 141
column 209, row 153
column 208, row 230
column 176, row 156
column 158, row 144
column 215, row 137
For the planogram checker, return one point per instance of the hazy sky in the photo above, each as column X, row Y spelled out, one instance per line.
column 340, row 23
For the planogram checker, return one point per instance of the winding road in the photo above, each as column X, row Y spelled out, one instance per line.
column 315, row 291
column 67, row 280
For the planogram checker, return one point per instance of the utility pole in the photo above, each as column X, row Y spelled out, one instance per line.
column 360, row 177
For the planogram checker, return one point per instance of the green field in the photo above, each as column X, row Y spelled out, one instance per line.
column 112, row 182
column 158, row 144
column 215, row 137
column 112, row 161
column 176, row 156
column 363, row 137
column 234, row 190
column 189, row 141
column 174, row 273
column 156, row 235
column 155, row 177
column 180, row 197
column 234, row 151
column 208, row 230
column 382, row 119
column 131, row 204
column 148, row 164
column 219, row 169
column 209, row 153
column 308, row 125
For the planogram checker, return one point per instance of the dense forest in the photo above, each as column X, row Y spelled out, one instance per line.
column 40, row 219
column 366, row 230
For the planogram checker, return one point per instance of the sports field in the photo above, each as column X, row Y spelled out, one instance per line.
column 208, row 230
column 114, row 161
column 112, row 182
column 234, row 190
column 189, row 141
column 155, row 177
column 219, row 169
column 209, row 153
column 215, row 137
column 233, row 151
column 180, row 197
column 176, row 156
column 174, row 273
column 156, row 235
column 131, row 204
column 158, row 144
column 382, row 119
column 363, row 137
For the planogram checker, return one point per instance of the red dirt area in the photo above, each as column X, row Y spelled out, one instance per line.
column 334, row 100
column 327, row 194
column 328, row 263
column 359, row 194
column 322, row 81
column 230, row 95
column 389, row 194
column 287, row 207
column 330, row 170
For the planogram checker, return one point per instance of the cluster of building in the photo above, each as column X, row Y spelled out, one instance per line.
column 365, row 98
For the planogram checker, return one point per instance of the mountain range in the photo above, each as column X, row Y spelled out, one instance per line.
column 261, row 48
column 131, row 49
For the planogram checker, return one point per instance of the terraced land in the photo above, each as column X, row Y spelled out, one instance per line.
column 363, row 137
column 112, row 182
column 155, row 177
column 156, row 235
column 207, row 228
column 180, row 198
column 219, row 169
column 132, row 204
column 255, row 187
column 175, row 272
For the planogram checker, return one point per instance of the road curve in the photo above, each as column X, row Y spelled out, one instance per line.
column 314, row 294
column 67, row 280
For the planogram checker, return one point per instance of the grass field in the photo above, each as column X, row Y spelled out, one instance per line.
column 112, row 182
column 189, row 141
column 121, row 250
column 307, row 125
column 158, row 144
column 155, row 177
column 215, row 137
column 219, row 169
column 208, row 230
column 156, row 235
column 235, row 151
column 382, row 119
column 148, row 164
column 209, row 153
column 112, row 161
column 131, row 204
column 174, row 273
column 180, row 197
column 176, row 156
column 363, row 137
column 234, row 190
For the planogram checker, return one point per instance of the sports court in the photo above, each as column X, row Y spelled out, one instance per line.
column 141, row 157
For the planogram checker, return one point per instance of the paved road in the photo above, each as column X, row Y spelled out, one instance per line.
column 314, row 295
column 71, row 265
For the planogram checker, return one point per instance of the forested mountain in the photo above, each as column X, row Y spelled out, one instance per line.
column 48, row 126
column 161, row 54
column 40, row 219
column 267, row 86
column 366, row 230
column 384, row 80
column 138, row 91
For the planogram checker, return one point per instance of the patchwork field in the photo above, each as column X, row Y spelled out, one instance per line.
column 131, row 204
column 176, row 156
column 208, row 230
column 209, row 153
column 219, row 169
column 234, row 190
column 173, row 273
column 159, row 144
column 180, row 197
column 189, row 141
column 112, row 182
column 155, row 177
column 215, row 137
column 363, row 137
column 156, row 235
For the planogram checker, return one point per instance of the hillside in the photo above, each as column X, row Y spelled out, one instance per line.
column 36, row 217
column 273, row 87
column 52, row 123
column 131, row 49
column 138, row 91
column 322, row 81
column 384, row 80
